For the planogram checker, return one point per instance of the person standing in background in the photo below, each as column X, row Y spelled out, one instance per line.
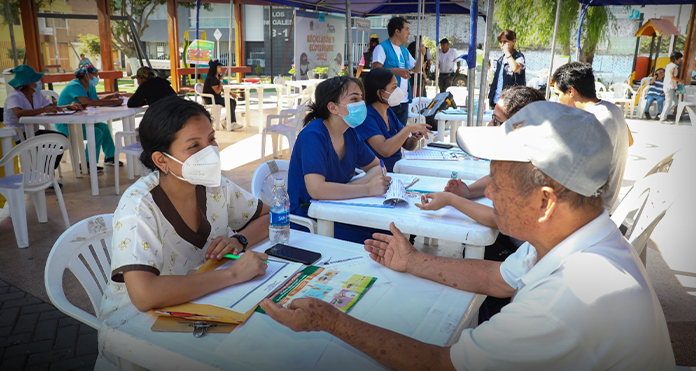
column 445, row 62
column 366, row 59
column 509, row 69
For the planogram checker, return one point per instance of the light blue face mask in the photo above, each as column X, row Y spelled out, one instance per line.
column 357, row 112
column 39, row 86
column 303, row 68
column 94, row 81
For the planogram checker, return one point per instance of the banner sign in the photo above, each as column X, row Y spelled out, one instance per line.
column 200, row 52
column 319, row 42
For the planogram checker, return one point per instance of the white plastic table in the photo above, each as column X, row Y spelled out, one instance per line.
column 303, row 83
column 247, row 96
column 418, row 308
column 100, row 114
column 462, row 169
column 455, row 119
column 446, row 223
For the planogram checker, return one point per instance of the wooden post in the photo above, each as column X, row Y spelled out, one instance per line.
column 689, row 49
column 107, row 57
column 239, row 35
column 30, row 26
column 173, row 29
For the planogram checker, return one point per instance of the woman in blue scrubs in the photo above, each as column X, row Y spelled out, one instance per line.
column 328, row 150
column 382, row 130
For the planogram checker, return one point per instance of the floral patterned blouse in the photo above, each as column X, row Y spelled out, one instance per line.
column 150, row 235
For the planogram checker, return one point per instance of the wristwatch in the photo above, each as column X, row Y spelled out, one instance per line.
column 241, row 240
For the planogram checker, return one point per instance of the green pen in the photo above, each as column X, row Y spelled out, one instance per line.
column 232, row 256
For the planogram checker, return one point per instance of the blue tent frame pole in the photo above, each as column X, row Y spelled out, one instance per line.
column 349, row 44
column 553, row 49
column 483, row 96
column 471, row 63
column 583, row 12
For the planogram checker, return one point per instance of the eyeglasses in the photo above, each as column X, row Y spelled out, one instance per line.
column 496, row 122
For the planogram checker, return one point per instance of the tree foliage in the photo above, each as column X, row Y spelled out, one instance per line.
column 91, row 44
column 14, row 10
column 533, row 21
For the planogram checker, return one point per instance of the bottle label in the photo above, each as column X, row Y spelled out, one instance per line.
column 280, row 219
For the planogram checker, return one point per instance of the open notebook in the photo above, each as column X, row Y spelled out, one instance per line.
column 396, row 194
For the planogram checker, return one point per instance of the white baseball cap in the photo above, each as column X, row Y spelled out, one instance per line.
column 565, row 143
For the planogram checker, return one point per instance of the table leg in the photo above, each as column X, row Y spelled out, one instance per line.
column 247, row 110
column 453, row 130
column 77, row 133
column 228, row 117
column 29, row 130
column 92, row 149
column 441, row 130
column 473, row 251
column 278, row 106
column 325, row 228
column 259, row 93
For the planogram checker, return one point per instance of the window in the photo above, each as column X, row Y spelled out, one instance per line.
column 219, row 17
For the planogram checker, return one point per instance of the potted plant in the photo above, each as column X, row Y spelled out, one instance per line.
column 259, row 70
column 321, row 72
column 292, row 73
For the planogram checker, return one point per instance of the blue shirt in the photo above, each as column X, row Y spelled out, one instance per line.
column 314, row 154
column 73, row 90
column 374, row 125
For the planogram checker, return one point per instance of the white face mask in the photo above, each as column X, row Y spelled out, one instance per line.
column 202, row 168
column 395, row 97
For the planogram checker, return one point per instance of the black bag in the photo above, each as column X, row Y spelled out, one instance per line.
column 441, row 102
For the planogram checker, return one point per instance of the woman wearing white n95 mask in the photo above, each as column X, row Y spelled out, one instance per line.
column 382, row 130
column 181, row 214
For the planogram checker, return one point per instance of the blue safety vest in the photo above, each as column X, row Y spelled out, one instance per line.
column 392, row 61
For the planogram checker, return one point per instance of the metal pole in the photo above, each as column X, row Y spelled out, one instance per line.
column 418, row 43
column 483, row 97
column 553, row 49
column 471, row 77
column 577, row 49
column 8, row 15
column 55, row 39
column 270, row 37
column 349, row 51
column 229, row 44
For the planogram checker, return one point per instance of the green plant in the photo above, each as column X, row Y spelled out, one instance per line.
column 258, row 69
column 320, row 70
column 91, row 44
column 344, row 72
column 292, row 71
column 21, row 53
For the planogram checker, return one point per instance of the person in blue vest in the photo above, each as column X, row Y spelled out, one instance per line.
column 509, row 70
column 391, row 54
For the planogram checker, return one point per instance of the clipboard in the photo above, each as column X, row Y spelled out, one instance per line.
column 174, row 324
column 203, row 312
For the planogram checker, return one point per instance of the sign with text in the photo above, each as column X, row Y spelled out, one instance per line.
column 318, row 44
column 622, row 45
column 200, row 52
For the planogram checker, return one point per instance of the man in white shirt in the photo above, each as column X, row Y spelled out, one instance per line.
column 445, row 62
column 581, row 298
column 575, row 86
column 392, row 54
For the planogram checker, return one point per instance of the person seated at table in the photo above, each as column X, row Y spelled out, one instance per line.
column 213, row 85
column 150, row 88
column 83, row 89
column 382, row 130
column 328, row 150
column 582, row 299
column 172, row 220
column 26, row 100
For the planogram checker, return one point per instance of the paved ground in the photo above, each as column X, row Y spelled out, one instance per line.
column 36, row 336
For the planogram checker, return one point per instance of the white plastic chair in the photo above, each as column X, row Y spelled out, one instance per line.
column 85, row 250
column 415, row 107
column 619, row 93
column 688, row 101
column 37, row 158
column 262, row 185
column 289, row 125
column 692, row 115
column 215, row 109
column 132, row 149
column 643, row 208
column 600, row 89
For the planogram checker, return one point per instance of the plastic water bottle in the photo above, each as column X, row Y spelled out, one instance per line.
column 279, row 228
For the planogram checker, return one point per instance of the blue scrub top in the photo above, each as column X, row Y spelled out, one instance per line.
column 374, row 125
column 314, row 154
column 73, row 90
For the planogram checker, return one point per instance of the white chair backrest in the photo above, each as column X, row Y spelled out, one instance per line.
column 50, row 95
column 37, row 157
column 649, row 197
column 307, row 94
column 599, row 87
column 279, row 80
column 262, row 180
column 85, row 249
column 619, row 89
column 690, row 95
column 198, row 88
column 419, row 103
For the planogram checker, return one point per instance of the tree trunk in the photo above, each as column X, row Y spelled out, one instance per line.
column 587, row 55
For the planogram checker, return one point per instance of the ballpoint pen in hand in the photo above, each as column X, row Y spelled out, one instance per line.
column 384, row 169
column 232, row 256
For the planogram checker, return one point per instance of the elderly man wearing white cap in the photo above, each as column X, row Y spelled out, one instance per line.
column 581, row 297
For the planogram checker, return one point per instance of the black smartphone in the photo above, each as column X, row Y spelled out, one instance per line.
column 441, row 145
column 294, row 254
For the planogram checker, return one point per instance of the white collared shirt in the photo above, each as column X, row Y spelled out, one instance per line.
column 586, row 305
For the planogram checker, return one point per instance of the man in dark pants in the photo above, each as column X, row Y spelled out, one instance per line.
column 445, row 63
